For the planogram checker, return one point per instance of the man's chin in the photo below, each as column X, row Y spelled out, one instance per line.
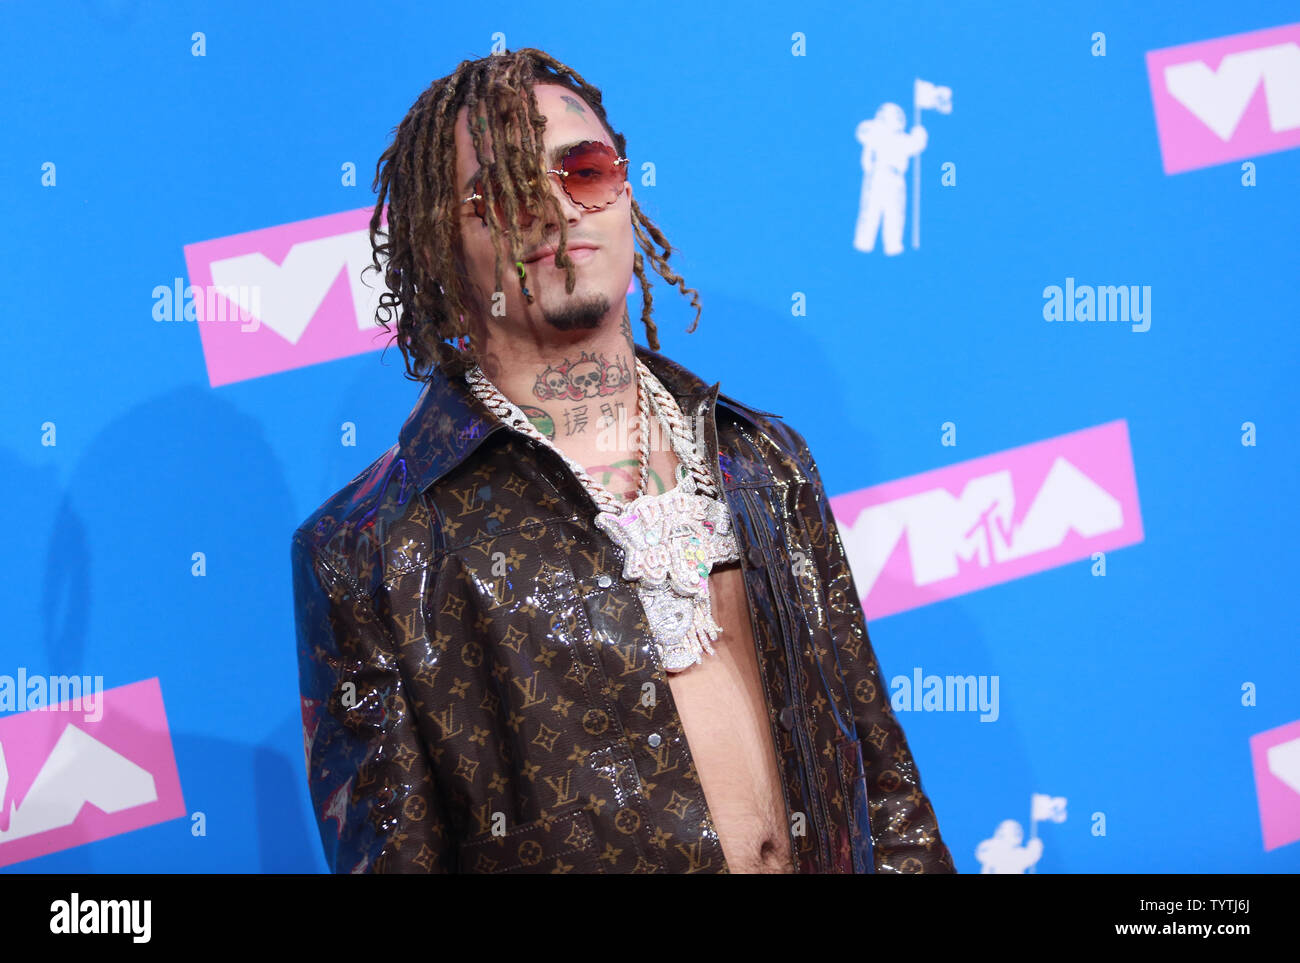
column 571, row 313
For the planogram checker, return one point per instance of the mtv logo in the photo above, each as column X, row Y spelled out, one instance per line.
column 1225, row 99
column 65, row 781
column 978, row 523
column 298, row 288
column 1276, row 757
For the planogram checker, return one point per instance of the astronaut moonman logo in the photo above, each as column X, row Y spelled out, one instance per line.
column 1004, row 853
column 887, row 148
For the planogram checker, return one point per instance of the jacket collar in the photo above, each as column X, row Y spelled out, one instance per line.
column 449, row 421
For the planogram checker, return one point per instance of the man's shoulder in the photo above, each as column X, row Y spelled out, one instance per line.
column 349, row 529
column 784, row 439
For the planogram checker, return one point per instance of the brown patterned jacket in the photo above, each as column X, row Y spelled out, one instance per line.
column 472, row 666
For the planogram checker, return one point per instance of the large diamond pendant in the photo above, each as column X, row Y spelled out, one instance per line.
column 671, row 541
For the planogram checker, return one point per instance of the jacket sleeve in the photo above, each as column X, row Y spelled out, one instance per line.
column 372, row 791
column 904, row 827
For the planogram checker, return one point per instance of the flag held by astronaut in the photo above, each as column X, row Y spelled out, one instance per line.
column 1048, row 807
column 930, row 96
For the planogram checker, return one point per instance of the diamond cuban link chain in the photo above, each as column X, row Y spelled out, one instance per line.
column 670, row 541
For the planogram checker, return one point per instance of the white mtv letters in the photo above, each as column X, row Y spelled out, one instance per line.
column 80, row 769
column 1219, row 98
column 941, row 528
column 292, row 292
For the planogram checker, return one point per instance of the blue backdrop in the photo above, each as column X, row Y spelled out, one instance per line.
column 1134, row 695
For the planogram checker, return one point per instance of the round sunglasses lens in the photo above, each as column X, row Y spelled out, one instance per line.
column 593, row 179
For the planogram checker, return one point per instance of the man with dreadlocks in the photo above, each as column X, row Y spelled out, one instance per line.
column 589, row 614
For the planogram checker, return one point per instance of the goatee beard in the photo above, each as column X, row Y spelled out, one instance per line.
column 578, row 315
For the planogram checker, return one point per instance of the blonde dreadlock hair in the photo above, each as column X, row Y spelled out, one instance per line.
column 423, row 265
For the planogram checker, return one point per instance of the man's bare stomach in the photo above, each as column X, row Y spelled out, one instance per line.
column 724, row 713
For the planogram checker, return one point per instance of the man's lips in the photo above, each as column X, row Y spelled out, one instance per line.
column 550, row 251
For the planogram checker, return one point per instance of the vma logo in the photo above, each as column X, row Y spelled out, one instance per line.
column 1225, row 99
column 65, row 781
column 951, row 531
column 302, row 285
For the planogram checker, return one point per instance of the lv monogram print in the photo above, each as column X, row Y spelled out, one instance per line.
column 481, row 692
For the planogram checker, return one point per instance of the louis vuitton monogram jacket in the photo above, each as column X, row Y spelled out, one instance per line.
column 472, row 666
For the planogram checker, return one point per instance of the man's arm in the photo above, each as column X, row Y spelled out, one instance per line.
column 904, row 828
column 376, row 805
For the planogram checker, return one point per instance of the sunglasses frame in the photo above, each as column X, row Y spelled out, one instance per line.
column 563, row 174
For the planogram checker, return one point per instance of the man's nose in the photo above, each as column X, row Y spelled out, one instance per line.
column 570, row 211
